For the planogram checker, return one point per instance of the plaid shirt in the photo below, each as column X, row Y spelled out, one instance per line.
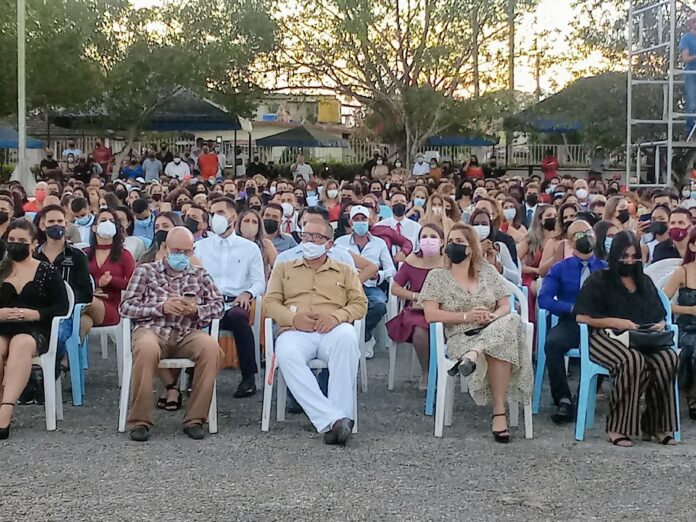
column 153, row 284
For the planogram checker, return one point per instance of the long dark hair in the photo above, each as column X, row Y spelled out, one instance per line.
column 6, row 262
column 117, row 245
column 621, row 242
column 151, row 254
column 600, row 229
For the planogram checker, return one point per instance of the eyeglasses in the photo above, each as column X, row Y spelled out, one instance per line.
column 580, row 235
column 313, row 236
column 187, row 253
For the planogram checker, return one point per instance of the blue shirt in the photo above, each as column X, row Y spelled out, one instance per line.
column 133, row 172
column 375, row 251
column 562, row 284
column 688, row 42
column 145, row 228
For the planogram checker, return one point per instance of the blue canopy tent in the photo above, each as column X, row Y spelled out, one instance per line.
column 552, row 126
column 9, row 139
column 459, row 141
column 303, row 137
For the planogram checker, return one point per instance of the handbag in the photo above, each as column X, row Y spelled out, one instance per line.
column 644, row 339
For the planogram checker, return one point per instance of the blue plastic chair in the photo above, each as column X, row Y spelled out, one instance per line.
column 590, row 370
column 77, row 356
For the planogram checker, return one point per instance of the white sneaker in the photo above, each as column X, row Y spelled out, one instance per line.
column 370, row 348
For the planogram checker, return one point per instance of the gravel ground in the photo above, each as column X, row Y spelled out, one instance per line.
column 394, row 469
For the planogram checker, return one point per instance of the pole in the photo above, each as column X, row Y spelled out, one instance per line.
column 511, row 74
column 670, row 86
column 21, row 90
column 629, row 95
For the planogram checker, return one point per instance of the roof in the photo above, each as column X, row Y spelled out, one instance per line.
column 459, row 141
column 9, row 139
column 303, row 137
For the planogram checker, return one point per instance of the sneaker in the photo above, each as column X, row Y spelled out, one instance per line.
column 370, row 348
column 564, row 413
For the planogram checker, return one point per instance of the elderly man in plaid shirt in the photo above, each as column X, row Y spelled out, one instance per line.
column 169, row 302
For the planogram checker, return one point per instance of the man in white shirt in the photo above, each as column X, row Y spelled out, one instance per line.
column 289, row 223
column 300, row 168
column 404, row 226
column 376, row 251
column 177, row 169
column 236, row 266
column 222, row 161
column 421, row 167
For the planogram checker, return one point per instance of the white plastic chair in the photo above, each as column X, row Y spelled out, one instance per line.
column 394, row 307
column 115, row 331
column 444, row 405
column 314, row 364
column 53, row 391
column 174, row 363
column 664, row 267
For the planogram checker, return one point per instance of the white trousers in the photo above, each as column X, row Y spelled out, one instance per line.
column 339, row 349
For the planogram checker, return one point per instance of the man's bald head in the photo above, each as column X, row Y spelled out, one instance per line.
column 180, row 239
column 578, row 226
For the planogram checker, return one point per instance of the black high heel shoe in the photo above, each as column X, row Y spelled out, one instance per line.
column 464, row 366
column 5, row 432
column 498, row 435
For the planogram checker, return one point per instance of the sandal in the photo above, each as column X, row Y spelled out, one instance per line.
column 5, row 432
column 174, row 405
column 502, row 436
column 464, row 365
column 618, row 440
column 666, row 440
column 162, row 401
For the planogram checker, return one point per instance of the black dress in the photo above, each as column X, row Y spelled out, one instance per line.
column 45, row 294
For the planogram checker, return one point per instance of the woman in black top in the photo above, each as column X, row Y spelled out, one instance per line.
column 622, row 298
column 32, row 293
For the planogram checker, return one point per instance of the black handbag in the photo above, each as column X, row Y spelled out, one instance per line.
column 649, row 341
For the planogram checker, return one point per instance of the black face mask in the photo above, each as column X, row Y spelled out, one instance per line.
column 271, row 226
column 399, row 209
column 157, row 197
column 658, row 228
column 467, row 192
column 623, row 216
column 585, row 244
column 377, row 193
column 629, row 269
column 4, row 217
column 549, row 224
column 191, row 224
column 532, row 199
column 55, row 232
column 160, row 237
column 17, row 251
column 566, row 225
column 456, row 253
column 257, row 208
column 121, row 194
column 250, row 191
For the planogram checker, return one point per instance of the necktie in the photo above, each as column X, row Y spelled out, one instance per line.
column 288, row 227
column 398, row 228
column 530, row 213
column 585, row 272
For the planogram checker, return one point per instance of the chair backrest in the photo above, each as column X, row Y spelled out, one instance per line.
column 662, row 268
column 667, row 306
column 519, row 297
column 71, row 298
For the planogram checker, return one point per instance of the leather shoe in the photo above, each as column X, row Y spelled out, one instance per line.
column 246, row 388
column 140, row 434
column 195, row 431
column 563, row 414
column 340, row 432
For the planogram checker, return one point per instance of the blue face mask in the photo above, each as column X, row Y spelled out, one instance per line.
column 361, row 227
column 419, row 202
column 83, row 221
column 607, row 244
column 311, row 193
column 178, row 262
column 144, row 222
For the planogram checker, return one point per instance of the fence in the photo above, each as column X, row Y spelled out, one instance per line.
column 532, row 154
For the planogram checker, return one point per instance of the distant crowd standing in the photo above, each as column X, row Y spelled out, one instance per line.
column 172, row 243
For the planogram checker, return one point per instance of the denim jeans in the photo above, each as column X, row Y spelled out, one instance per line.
column 376, row 308
column 690, row 98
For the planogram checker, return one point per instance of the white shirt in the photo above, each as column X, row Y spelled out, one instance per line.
column 336, row 253
column 222, row 161
column 179, row 171
column 234, row 263
column 409, row 228
column 421, row 169
column 292, row 220
column 85, row 231
column 75, row 152
column 304, row 170
column 375, row 251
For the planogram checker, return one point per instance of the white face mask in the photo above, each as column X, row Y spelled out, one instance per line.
column 332, row 193
column 379, row 162
column 437, row 210
column 272, row 190
column 106, row 230
column 288, row 210
column 313, row 251
column 509, row 213
column 483, row 231
column 177, row 160
column 581, row 194
column 219, row 224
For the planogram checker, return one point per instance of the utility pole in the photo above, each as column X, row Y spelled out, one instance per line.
column 21, row 90
column 511, row 75
column 537, row 69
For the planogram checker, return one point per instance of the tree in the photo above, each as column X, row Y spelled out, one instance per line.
column 408, row 62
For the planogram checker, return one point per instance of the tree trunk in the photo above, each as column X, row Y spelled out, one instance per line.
column 130, row 139
column 511, row 73
column 475, row 29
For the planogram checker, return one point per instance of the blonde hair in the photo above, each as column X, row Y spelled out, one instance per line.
column 475, row 256
column 441, row 220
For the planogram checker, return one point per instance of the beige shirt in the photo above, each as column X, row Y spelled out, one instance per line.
column 333, row 288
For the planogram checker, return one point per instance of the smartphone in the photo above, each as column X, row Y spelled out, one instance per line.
column 644, row 217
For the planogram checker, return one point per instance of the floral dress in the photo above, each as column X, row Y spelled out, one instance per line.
column 503, row 339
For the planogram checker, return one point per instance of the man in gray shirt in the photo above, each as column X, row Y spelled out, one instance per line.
column 152, row 167
column 272, row 216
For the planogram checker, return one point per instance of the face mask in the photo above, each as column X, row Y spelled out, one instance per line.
column 219, row 224
column 585, row 244
column 157, row 197
column 4, row 217
column 191, row 224
column 549, row 224
column 686, row 193
column 419, row 202
column 106, row 230
column 678, row 234
column 629, row 269
column 360, row 227
column 430, row 246
column 509, row 213
column 250, row 191
column 379, row 162
column 311, row 193
column 550, row 189
column 483, row 231
column 217, row 149
column 160, row 237
column 248, row 230
column 312, row 250
column 17, row 251
column 144, row 222
column 177, row 160
column 623, row 216
column 658, row 228
column 399, row 209
column 437, row 211
column 121, row 194
column 55, row 231
column 581, row 194
column 532, row 199
column 272, row 190
column 456, row 253
column 40, row 195
column 607, row 244
column 178, row 262
column 332, row 193
column 83, row 221
column 288, row 210
column 397, row 165
column 271, row 226
column 257, row 208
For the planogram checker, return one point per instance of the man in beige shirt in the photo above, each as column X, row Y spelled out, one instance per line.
column 314, row 300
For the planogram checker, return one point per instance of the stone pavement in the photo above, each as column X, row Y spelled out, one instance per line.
column 394, row 469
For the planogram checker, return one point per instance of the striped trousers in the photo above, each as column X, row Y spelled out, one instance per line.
column 633, row 375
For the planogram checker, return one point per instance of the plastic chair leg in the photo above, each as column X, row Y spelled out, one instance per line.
column 103, row 339
column 282, row 397
column 125, row 395
column 539, row 379
column 464, row 383
column 528, row 421
column 76, row 372
column 392, row 365
column 355, row 408
column 267, row 399
column 48, row 368
column 432, row 376
column 582, row 405
column 59, row 398
column 449, row 402
column 119, row 352
column 591, row 403
column 212, row 413
column 363, row 372
column 442, row 383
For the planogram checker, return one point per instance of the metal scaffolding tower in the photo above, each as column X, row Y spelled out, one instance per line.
column 652, row 37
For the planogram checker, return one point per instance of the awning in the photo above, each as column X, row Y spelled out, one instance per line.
column 9, row 139
column 303, row 137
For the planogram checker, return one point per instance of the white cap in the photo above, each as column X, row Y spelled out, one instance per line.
column 359, row 209
column 140, row 180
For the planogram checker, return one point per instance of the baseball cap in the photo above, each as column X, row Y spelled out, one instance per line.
column 359, row 209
